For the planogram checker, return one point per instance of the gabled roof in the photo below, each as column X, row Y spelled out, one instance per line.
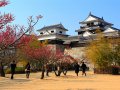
column 111, row 29
column 92, row 18
column 59, row 26
column 115, row 28
column 98, row 18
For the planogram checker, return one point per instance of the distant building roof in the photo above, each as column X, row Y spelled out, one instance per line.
column 59, row 26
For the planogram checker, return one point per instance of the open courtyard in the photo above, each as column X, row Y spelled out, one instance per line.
column 69, row 82
column 59, row 35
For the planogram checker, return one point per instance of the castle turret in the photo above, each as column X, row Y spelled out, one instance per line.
column 54, row 34
column 91, row 24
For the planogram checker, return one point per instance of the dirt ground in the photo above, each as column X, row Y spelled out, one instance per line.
column 68, row 82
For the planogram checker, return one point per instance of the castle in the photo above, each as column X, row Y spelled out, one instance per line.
column 58, row 38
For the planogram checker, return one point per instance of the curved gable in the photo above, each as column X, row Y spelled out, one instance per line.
column 90, row 18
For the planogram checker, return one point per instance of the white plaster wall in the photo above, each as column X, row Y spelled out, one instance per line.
column 47, row 37
column 85, row 34
column 47, row 32
column 63, row 32
column 95, row 23
column 55, row 31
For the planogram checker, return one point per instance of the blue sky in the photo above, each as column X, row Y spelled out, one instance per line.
column 67, row 12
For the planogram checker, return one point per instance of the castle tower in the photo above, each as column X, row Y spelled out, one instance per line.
column 55, row 34
column 91, row 24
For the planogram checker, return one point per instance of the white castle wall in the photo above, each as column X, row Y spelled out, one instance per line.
column 55, row 31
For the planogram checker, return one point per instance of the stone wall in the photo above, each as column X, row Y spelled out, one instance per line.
column 76, row 52
column 57, row 47
column 79, row 54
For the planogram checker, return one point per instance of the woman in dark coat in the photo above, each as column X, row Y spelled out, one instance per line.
column 13, row 66
column 27, row 70
column 84, row 67
column 77, row 66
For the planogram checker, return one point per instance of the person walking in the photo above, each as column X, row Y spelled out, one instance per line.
column 84, row 67
column 13, row 66
column 27, row 70
column 76, row 66
column 47, row 69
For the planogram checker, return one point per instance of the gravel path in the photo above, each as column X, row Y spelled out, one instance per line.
column 69, row 82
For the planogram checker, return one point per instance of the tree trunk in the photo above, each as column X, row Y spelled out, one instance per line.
column 2, row 70
column 43, row 71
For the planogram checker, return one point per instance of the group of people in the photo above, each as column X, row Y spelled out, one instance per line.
column 83, row 67
column 27, row 69
column 13, row 66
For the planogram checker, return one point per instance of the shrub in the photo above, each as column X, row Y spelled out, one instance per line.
column 115, row 70
column 18, row 70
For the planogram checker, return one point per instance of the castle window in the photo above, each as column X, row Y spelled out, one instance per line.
column 52, row 31
column 92, row 23
column 60, row 32
column 79, row 33
column 41, row 33
column 88, row 24
column 101, row 24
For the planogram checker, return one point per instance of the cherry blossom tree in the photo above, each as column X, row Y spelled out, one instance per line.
column 11, row 34
column 61, row 62
column 44, row 54
column 35, row 51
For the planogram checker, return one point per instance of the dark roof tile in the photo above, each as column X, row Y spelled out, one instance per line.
column 60, row 26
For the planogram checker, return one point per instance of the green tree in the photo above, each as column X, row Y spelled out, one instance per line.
column 104, row 52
